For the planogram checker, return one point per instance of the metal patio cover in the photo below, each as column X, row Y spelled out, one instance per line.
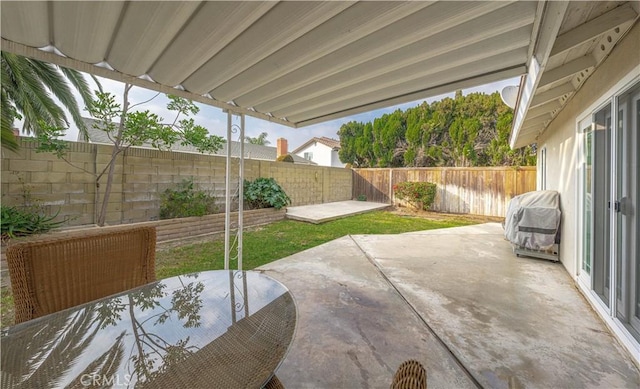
column 296, row 63
column 300, row 63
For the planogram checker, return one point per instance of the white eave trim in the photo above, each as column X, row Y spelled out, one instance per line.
column 552, row 18
column 527, row 89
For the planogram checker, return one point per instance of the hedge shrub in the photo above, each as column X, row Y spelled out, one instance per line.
column 419, row 194
column 265, row 193
column 186, row 200
column 25, row 221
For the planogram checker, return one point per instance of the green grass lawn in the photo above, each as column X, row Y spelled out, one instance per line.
column 271, row 242
column 6, row 308
column 287, row 237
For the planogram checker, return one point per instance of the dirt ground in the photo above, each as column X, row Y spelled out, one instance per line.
column 403, row 211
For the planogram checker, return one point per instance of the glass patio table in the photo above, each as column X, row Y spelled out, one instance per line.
column 226, row 329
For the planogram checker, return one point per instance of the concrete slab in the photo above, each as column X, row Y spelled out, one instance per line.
column 353, row 328
column 458, row 300
column 511, row 321
column 487, row 228
column 320, row 213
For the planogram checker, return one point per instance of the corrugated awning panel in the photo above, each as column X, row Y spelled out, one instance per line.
column 296, row 63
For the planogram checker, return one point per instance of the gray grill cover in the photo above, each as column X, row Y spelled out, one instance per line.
column 533, row 220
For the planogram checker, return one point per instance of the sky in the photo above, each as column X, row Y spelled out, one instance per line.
column 215, row 120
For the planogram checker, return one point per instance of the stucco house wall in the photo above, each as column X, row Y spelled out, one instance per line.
column 335, row 159
column 323, row 155
column 560, row 140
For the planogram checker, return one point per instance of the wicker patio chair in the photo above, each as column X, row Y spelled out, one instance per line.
column 274, row 383
column 62, row 270
column 410, row 375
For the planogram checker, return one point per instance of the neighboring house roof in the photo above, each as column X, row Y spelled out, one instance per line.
column 251, row 151
column 333, row 143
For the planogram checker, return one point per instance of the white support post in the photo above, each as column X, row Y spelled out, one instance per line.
column 227, row 203
column 232, row 293
column 241, row 192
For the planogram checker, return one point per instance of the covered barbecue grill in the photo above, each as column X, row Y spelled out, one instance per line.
column 532, row 224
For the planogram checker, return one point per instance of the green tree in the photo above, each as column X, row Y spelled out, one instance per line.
column 351, row 134
column 467, row 130
column 127, row 128
column 27, row 89
column 389, row 139
column 259, row 140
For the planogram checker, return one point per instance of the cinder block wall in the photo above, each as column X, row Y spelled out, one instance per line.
column 141, row 175
column 192, row 227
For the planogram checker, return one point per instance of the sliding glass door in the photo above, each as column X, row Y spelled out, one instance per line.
column 601, row 202
column 609, row 195
column 586, row 200
column 627, row 222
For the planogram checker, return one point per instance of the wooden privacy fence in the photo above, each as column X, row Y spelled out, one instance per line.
column 474, row 190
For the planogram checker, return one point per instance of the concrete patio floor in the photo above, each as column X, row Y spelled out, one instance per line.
column 458, row 300
column 320, row 213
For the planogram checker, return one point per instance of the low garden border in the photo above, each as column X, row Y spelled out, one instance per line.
column 172, row 230
column 196, row 226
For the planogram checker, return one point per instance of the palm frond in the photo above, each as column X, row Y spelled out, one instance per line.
column 26, row 91
column 53, row 80
column 6, row 116
column 28, row 86
column 82, row 86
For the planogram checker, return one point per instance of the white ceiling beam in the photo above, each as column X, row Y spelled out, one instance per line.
column 551, row 21
column 531, row 131
column 533, row 122
column 543, row 109
column 537, row 24
column 593, row 28
column 567, row 70
column 526, row 139
column 552, row 94
column 55, row 59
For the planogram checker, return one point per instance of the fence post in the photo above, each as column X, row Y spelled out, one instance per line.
column 390, row 186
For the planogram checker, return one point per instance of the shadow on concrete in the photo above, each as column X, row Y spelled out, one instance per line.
column 458, row 300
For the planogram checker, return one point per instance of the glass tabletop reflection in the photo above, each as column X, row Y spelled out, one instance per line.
column 212, row 329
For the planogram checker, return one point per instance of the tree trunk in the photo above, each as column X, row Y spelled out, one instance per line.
column 107, row 189
column 114, row 154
